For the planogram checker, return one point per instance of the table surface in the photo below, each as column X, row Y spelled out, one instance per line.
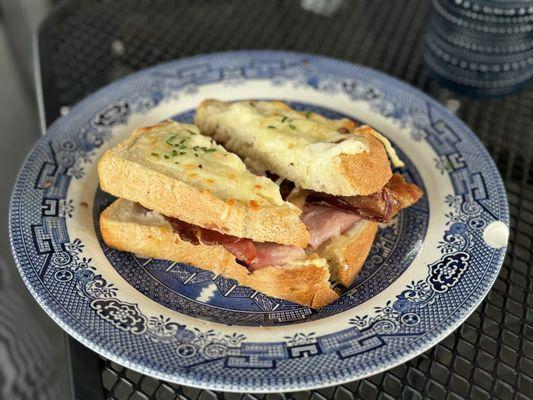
column 83, row 45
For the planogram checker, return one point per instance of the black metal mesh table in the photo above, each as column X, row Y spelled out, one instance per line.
column 83, row 45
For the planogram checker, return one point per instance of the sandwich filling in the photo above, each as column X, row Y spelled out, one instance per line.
column 326, row 217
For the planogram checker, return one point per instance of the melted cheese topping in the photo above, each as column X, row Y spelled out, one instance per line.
column 293, row 136
column 182, row 152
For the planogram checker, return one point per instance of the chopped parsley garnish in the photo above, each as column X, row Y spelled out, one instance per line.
column 170, row 139
column 210, row 150
column 200, row 166
column 167, row 157
column 181, row 144
column 196, row 154
column 271, row 127
column 155, row 154
column 308, row 114
column 176, row 162
column 284, row 119
column 182, row 153
column 292, row 126
column 195, row 148
column 174, row 153
column 191, row 132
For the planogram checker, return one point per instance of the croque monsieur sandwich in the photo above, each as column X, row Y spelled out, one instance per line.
column 291, row 212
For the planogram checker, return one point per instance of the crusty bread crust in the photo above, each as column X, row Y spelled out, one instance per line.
column 356, row 252
column 361, row 173
column 369, row 171
column 127, row 227
column 155, row 190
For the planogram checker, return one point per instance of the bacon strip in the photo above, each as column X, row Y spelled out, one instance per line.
column 242, row 249
column 254, row 255
column 380, row 207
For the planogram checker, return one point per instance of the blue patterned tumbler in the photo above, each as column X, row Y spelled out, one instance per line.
column 481, row 47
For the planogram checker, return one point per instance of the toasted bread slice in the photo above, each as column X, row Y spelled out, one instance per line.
column 172, row 169
column 127, row 227
column 316, row 153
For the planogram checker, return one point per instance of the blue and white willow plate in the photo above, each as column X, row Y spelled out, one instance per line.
column 427, row 271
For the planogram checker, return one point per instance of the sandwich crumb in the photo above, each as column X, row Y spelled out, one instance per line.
column 340, row 140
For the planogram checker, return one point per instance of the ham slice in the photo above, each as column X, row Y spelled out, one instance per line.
column 324, row 222
column 275, row 254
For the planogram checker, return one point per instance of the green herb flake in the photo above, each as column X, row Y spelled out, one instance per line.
column 167, row 157
column 284, row 119
column 195, row 148
column 196, row 154
column 292, row 126
column 271, row 127
column 182, row 141
column 210, row 150
column 308, row 114
column 174, row 153
column 182, row 153
column 176, row 162
column 155, row 154
column 170, row 139
column 191, row 132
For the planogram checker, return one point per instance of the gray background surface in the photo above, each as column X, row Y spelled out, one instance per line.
column 32, row 348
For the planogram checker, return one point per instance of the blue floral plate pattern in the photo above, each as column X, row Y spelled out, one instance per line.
column 427, row 271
